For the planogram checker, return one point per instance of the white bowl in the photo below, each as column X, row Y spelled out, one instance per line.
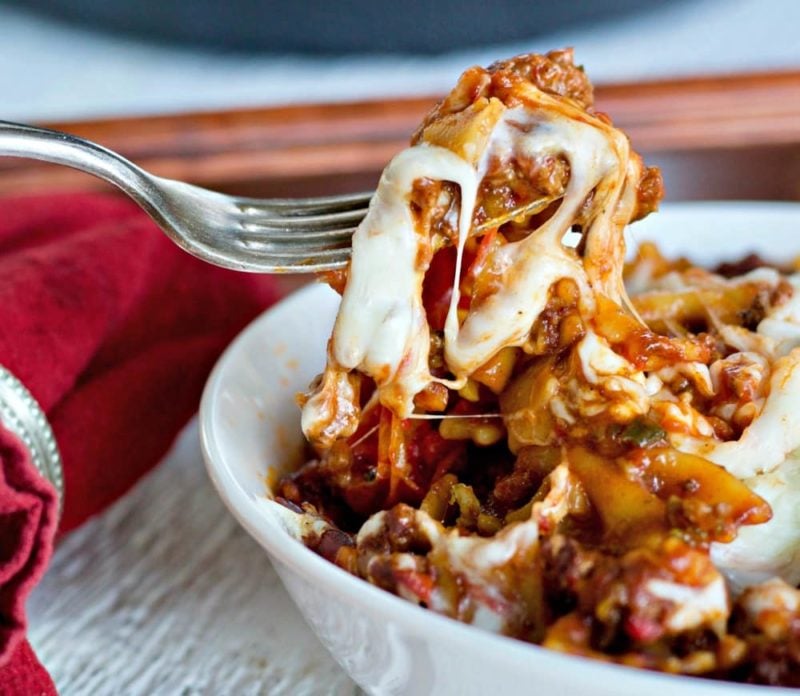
column 250, row 425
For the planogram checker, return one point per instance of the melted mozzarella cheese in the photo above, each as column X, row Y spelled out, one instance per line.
column 772, row 549
column 774, row 433
column 599, row 361
column 506, row 317
column 693, row 607
column 771, row 596
column 477, row 560
column 381, row 328
column 782, row 323
column 530, row 266
column 614, row 385
column 331, row 411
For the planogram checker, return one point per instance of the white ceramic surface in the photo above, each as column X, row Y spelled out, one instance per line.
column 250, row 423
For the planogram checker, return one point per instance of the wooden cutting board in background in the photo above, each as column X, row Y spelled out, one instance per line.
column 715, row 137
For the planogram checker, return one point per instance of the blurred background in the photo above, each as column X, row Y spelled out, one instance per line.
column 67, row 59
column 203, row 90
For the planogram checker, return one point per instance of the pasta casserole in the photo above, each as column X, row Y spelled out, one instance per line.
column 518, row 429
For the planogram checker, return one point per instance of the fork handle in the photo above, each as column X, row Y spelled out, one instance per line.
column 19, row 140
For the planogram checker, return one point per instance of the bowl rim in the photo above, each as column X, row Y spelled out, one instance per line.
column 431, row 626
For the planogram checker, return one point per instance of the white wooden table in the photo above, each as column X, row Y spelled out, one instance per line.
column 165, row 594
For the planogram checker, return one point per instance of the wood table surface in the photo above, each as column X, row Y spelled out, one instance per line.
column 733, row 136
column 165, row 594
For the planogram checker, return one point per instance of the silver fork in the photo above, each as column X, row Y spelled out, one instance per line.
column 270, row 235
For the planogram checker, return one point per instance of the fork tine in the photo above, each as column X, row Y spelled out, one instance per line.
column 279, row 265
column 299, row 254
column 258, row 234
column 308, row 266
column 293, row 207
column 294, row 249
column 283, row 262
column 337, row 220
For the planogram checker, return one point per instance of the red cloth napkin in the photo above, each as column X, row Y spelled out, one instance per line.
column 113, row 329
